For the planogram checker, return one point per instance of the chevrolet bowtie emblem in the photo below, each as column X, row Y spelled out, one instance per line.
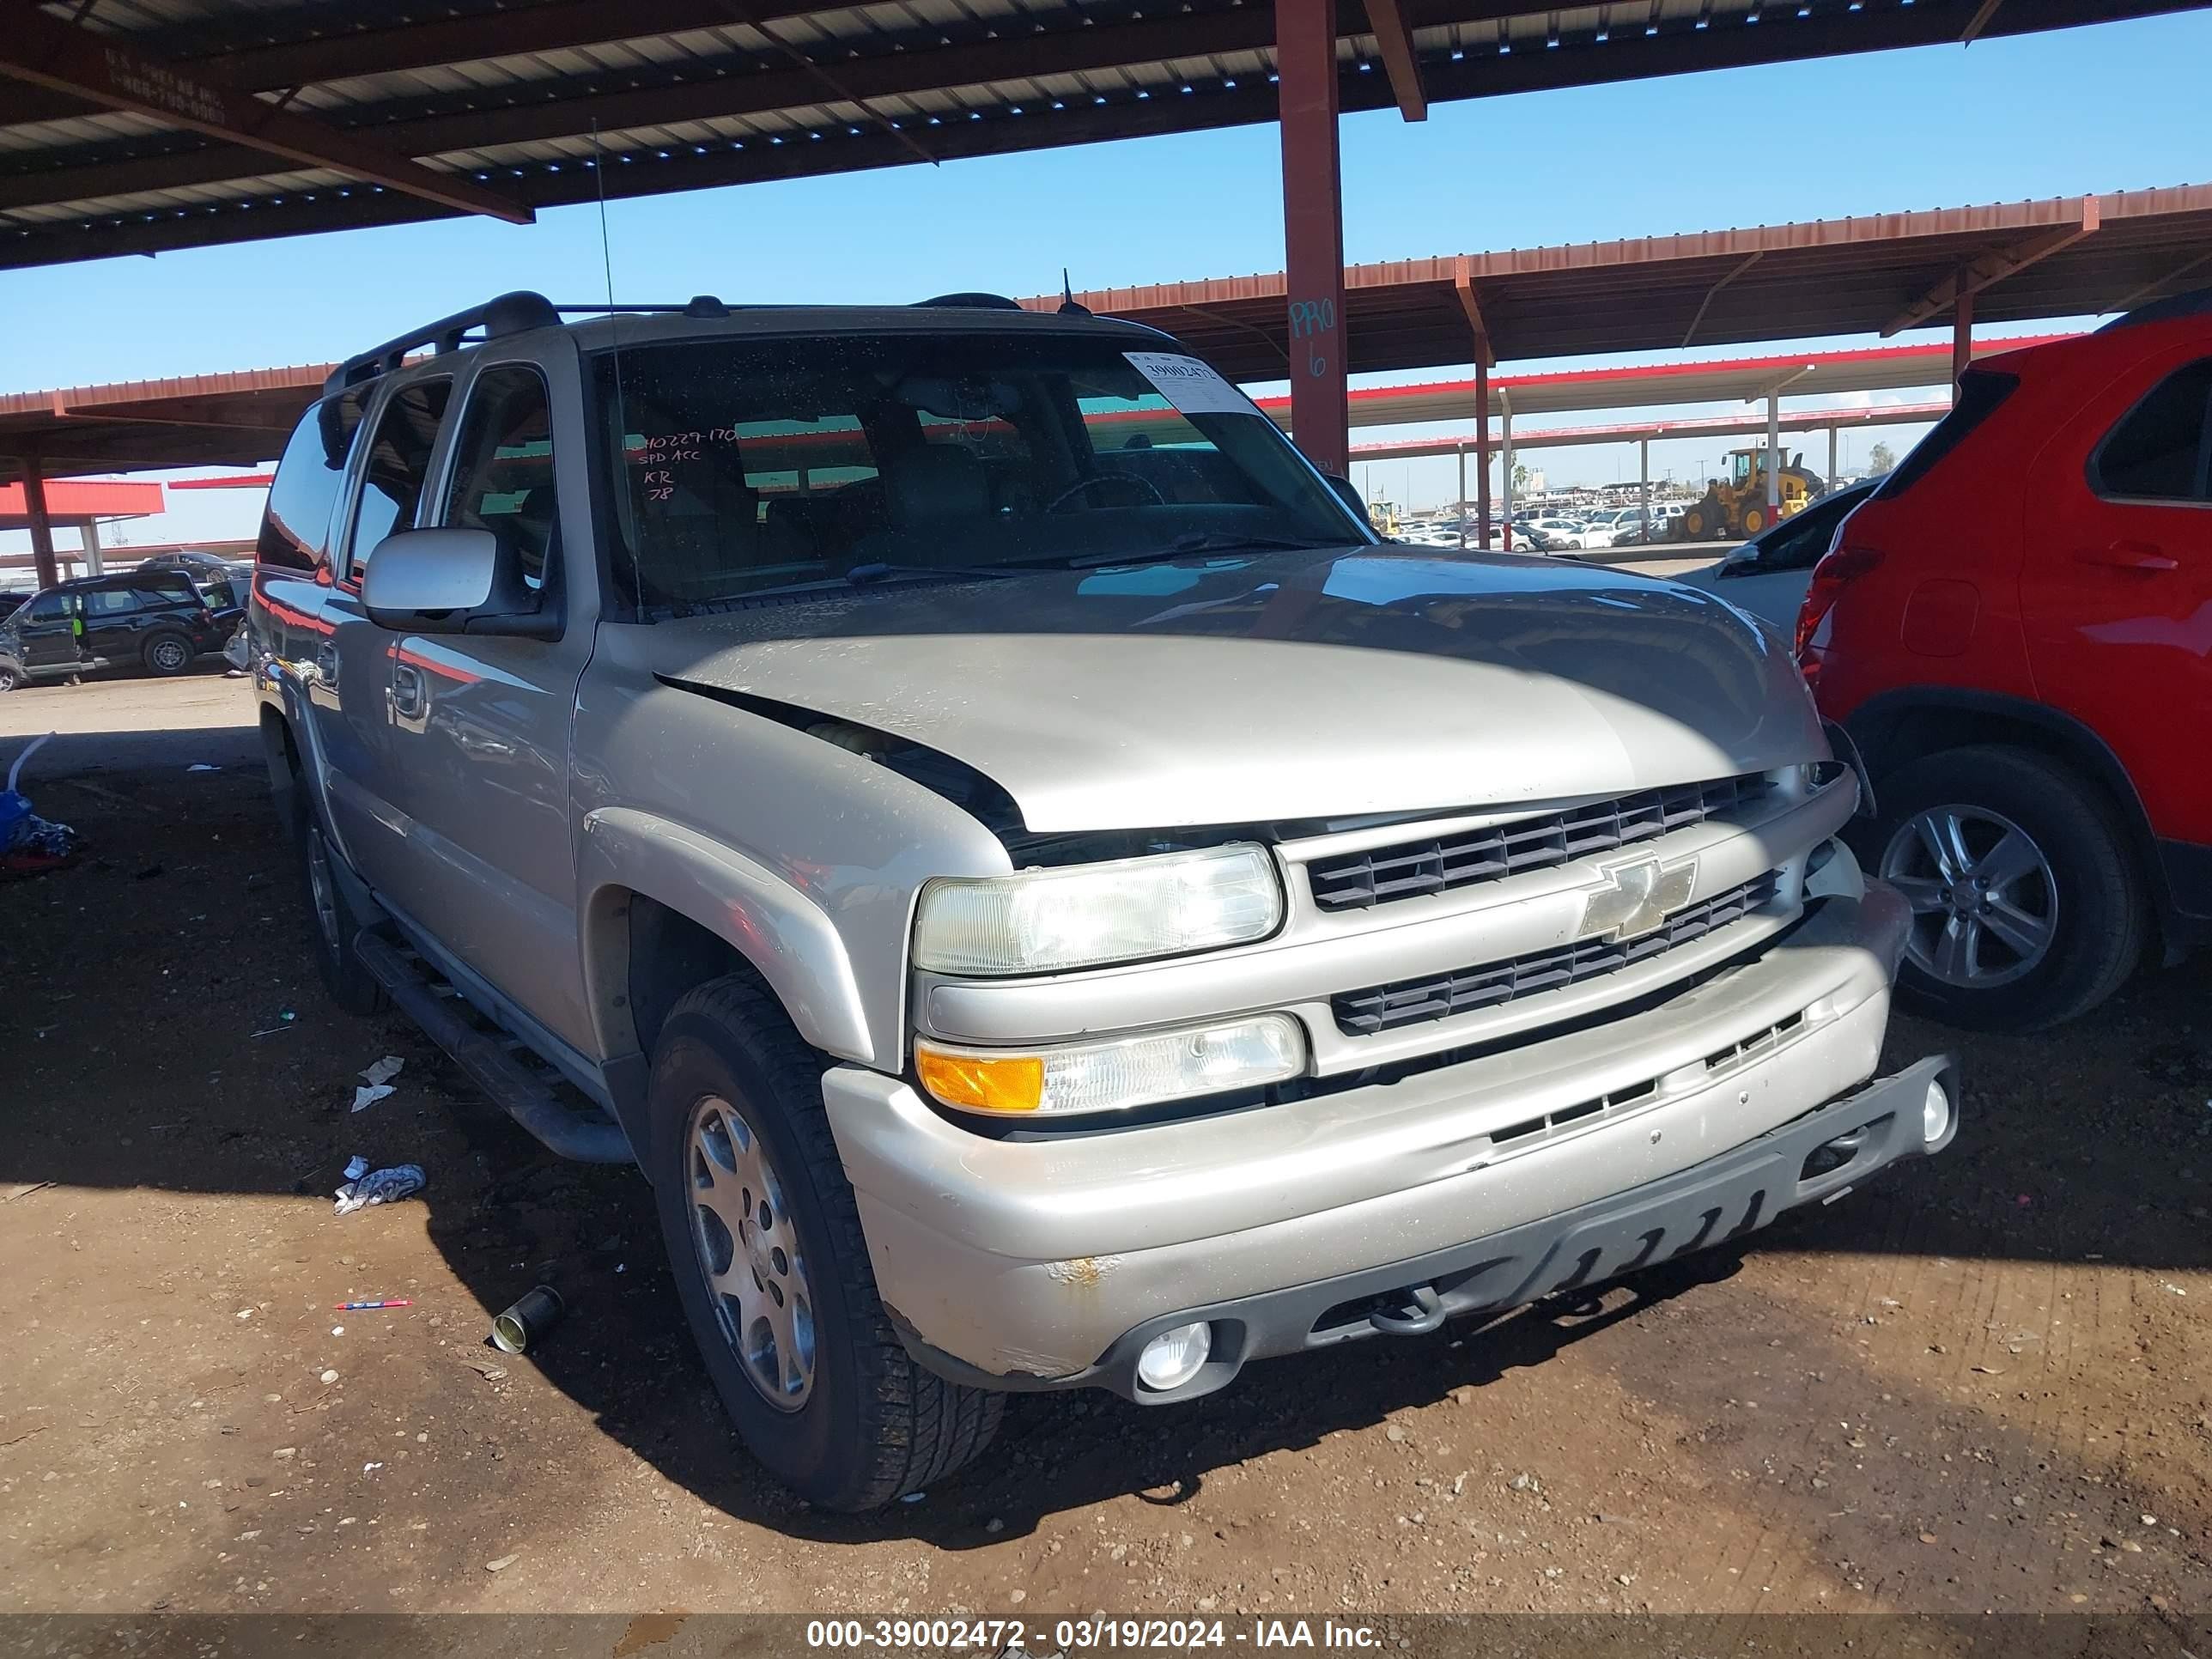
column 1636, row 899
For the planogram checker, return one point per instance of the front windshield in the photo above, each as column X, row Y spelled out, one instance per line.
column 759, row 464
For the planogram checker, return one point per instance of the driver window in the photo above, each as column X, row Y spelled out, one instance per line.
column 399, row 461
column 504, row 472
column 49, row 607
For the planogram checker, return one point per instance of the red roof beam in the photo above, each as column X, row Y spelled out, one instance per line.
column 1393, row 41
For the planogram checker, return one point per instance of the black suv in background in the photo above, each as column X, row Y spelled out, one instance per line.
column 156, row 620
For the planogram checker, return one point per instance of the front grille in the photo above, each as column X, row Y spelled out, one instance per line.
column 1440, row 996
column 1413, row 869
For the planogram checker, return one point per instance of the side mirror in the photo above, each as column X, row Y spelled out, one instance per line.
column 452, row 581
column 1344, row 487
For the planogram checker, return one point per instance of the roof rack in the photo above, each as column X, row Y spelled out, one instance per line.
column 508, row 313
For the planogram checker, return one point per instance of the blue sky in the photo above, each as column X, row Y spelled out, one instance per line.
column 2115, row 107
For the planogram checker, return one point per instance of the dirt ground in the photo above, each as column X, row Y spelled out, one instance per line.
column 1983, row 1383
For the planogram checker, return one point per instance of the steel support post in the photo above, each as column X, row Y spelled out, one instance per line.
column 1313, row 231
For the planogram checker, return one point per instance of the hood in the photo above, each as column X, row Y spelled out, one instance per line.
column 1296, row 685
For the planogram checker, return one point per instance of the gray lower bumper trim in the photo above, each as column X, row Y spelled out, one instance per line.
column 1710, row 1203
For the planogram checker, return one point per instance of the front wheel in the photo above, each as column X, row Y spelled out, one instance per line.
column 12, row 676
column 764, row 1238
column 2026, row 910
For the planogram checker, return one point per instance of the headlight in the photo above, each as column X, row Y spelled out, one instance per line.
column 1113, row 1076
column 1041, row 921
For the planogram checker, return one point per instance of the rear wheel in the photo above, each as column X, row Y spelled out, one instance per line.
column 764, row 1237
column 2026, row 910
column 166, row 654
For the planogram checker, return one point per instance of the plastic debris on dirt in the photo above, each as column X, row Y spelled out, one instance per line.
column 378, row 1186
column 376, row 1081
column 29, row 843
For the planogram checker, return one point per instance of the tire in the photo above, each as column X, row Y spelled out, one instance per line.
column 868, row 1425
column 166, row 654
column 334, row 924
column 12, row 676
column 2082, row 910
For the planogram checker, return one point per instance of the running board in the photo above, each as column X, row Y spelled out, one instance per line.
column 517, row 1081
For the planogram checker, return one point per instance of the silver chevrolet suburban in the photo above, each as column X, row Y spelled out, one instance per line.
column 1046, row 897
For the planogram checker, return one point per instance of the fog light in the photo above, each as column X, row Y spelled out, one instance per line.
column 1935, row 1114
column 1172, row 1358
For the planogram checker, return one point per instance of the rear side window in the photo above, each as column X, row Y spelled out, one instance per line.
column 110, row 602
column 296, row 529
column 163, row 587
column 1980, row 392
column 399, row 461
column 2162, row 449
column 503, row 467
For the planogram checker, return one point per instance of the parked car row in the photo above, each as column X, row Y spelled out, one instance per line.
column 157, row 618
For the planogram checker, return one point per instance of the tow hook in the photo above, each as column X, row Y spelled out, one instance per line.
column 1423, row 1311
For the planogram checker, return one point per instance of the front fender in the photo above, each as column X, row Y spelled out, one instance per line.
column 784, row 934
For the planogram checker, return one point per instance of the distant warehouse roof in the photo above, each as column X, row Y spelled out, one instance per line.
column 133, row 126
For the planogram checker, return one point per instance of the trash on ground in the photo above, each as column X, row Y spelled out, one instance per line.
column 356, row 1167
column 380, row 1186
column 529, row 1319
column 485, row 1367
column 29, row 842
column 368, row 1093
column 502, row 1564
column 348, row 1307
column 384, row 1071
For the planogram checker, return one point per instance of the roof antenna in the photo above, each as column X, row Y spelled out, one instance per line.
column 1068, row 305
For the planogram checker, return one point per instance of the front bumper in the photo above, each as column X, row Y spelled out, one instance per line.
column 1724, row 1198
column 1046, row 1263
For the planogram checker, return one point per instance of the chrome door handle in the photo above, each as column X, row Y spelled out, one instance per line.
column 326, row 663
column 410, row 694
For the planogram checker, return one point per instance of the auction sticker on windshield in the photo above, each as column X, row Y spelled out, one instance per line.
column 1189, row 384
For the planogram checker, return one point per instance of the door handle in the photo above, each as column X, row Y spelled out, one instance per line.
column 409, row 695
column 2125, row 556
column 326, row 663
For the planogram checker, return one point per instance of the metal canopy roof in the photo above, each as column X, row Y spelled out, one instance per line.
column 244, row 417
column 130, row 126
column 2071, row 256
column 1736, row 380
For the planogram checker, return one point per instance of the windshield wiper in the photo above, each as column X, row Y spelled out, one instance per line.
column 866, row 575
column 860, row 575
column 1202, row 541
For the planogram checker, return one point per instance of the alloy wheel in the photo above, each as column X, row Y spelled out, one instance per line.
column 1985, row 897
column 169, row 656
column 749, row 1252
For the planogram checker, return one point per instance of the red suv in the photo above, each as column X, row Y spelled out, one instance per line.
column 2015, row 634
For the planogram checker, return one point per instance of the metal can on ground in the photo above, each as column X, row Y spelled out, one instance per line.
column 529, row 1319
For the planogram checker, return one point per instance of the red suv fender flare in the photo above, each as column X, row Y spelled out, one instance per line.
column 1879, row 728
